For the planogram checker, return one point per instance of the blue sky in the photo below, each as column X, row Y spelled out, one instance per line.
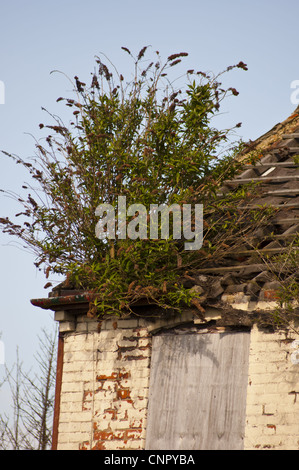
column 37, row 37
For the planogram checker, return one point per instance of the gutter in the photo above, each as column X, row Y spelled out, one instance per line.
column 54, row 303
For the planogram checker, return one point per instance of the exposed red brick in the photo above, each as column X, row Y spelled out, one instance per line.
column 123, row 394
column 99, row 446
column 271, row 426
column 85, row 407
column 84, row 445
column 135, row 424
column 271, row 295
column 86, row 393
column 125, row 418
column 133, row 433
column 113, row 376
column 102, row 436
column 113, row 412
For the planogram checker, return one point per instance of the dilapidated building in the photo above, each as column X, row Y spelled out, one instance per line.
column 227, row 378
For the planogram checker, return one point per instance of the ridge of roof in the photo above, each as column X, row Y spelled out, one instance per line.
column 272, row 137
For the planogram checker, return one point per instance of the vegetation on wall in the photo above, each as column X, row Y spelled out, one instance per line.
column 153, row 143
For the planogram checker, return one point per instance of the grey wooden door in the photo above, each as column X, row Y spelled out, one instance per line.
column 197, row 397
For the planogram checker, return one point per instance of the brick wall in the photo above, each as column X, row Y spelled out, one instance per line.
column 105, row 384
column 273, row 392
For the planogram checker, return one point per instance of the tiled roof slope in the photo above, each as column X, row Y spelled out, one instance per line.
column 249, row 279
column 277, row 175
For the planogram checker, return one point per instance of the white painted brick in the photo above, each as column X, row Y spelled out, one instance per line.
column 288, row 430
column 136, row 383
column 289, row 419
column 144, row 342
column 74, row 377
column 76, row 437
column 140, row 404
column 81, row 416
column 75, row 427
column 78, row 367
column 69, row 397
column 79, row 343
column 113, row 445
column 107, row 345
column 136, row 445
column 253, row 410
column 71, row 407
column 269, row 409
column 140, row 372
column 102, row 403
column 71, row 387
column 284, row 387
column 140, row 394
column 68, row 446
column 142, row 332
column 123, row 343
column 111, row 335
column 271, row 412
column 77, row 356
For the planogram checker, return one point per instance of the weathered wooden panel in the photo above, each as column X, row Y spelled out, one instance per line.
column 198, row 389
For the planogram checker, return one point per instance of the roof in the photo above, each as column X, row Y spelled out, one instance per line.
column 241, row 279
